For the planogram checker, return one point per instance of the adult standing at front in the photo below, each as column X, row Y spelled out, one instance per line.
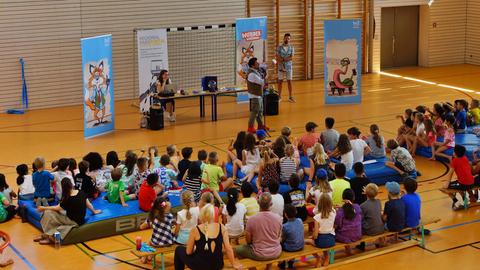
column 263, row 233
column 255, row 85
column 285, row 54
column 74, row 203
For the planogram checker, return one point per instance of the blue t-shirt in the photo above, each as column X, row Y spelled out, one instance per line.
column 293, row 235
column 41, row 182
column 395, row 211
column 461, row 121
column 412, row 209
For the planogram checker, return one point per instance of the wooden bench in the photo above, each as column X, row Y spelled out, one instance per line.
column 466, row 204
column 309, row 250
column 159, row 251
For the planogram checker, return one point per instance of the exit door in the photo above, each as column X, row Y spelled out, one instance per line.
column 399, row 37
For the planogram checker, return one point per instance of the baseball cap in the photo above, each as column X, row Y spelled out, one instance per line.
column 393, row 188
column 321, row 173
column 261, row 134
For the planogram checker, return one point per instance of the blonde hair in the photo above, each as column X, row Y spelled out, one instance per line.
column 323, row 185
column 325, row 205
column 371, row 190
column 207, row 198
column 206, row 216
column 39, row 163
column 171, row 149
column 289, row 150
column 187, row 200
column 319, row 154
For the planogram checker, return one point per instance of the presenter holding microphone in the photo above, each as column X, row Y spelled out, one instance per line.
column 255, row 86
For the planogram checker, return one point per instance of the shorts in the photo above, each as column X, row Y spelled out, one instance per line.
column 325, row 240
column 457, row 186
column 164, row 103
column 285, row 71
column 247, row 169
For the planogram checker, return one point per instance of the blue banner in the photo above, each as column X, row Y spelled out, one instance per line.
column 251, row 38
column 343, row 61
column 97, row 85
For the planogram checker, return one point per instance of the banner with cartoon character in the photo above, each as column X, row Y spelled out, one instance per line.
column 251, row 38
column 97, row 85
column 152, row 58
column 343, row 61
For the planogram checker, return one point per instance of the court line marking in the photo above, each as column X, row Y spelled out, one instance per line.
column 113, row 258
column 19, row 254
column 379, row 90
column 410, row 86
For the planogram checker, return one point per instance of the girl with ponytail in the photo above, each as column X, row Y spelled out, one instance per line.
column 161, row 221
column 25, row 184
column 348, row 221
column 376, row 143
column 234, row 215
column 187, row 218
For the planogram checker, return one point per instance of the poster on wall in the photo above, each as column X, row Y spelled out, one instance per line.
column 251, row 39
column 343, row 61
column 152, row 58
column 97, row 85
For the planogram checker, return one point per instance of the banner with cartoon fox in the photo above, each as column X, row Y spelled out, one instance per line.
column 251, row 38
column 97, row 85
column 343, row 61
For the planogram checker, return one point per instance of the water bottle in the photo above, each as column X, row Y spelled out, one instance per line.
column 58, row 240
column 138, row 242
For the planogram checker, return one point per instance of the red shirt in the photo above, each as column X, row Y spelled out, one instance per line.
column 146, row 196
column 309, row 140
column 463, row 170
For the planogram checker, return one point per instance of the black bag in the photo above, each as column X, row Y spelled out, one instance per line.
column 271, row 104
column 156, row 118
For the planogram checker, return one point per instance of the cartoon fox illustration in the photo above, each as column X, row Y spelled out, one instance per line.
column 247, row 54
column 97, row 86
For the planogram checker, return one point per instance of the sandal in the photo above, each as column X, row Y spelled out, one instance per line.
column 45, row 241
column 38, row 238
column 6, row 263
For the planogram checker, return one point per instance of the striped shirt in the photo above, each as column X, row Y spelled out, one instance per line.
column 251, row 205
column 193, row 184
column 287, row 168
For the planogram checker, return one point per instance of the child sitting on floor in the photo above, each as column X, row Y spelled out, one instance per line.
column 348, row 221
column 174, row 155
column 292, row 234
column 324, row 232
column 419, row 133
column 407, row 125
column 268, row 171
column 167, row 176
column 42, row 180
column 329, row 136
column 208, row 198
column 359, row 182
column 394, row 210
column 7, row 210
column 128, row 172
column 250, row 163
column 85, row 182
column 5, row 189
column 448, row 140
column 426, row 138
column 148, row 192
column 474, row 112
column 344, row 152
column 213, row 178
column 288, row 164
column 339, row 184
column 234, row 216
column 376, row 143
column 401, row 160
column 278, row 203
column 60, row 173
column 461, row 116
column 140, row 174
column 359, row 147
column 116, row 189
column 24, row 182
column 184, row 164
column 249, row 199
column 193, row 181
column 296, row 197
column 187, row 218
column 461, row 167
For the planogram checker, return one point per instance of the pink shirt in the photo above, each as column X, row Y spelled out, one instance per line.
column 309, row 140
column 265, row 229
column 439, row 127
column 450, row 135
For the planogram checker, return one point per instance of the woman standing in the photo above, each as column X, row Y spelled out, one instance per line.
column 204, row 248
column 167, row 104
column 74, row 203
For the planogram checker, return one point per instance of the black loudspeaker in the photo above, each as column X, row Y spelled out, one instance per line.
column 271, row 104
column 156, row 118
column 210, row 83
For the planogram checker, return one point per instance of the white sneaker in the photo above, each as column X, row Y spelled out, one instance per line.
column 172, row 118
column 292, row 100
column 280, row 100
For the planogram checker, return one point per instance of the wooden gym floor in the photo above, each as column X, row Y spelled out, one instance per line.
column 56, row 133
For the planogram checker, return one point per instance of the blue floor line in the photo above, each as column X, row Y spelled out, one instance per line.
column 456, row 225
column 21, row 256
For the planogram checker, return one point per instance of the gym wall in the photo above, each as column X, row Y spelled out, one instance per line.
column 47, row 35
column 472, row 55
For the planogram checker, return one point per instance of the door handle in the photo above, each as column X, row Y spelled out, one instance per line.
column 393, row 45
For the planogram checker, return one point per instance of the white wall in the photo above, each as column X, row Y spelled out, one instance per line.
column 47, row 34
